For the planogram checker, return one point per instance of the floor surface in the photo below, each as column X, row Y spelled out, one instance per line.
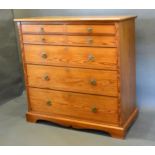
column 14, row 130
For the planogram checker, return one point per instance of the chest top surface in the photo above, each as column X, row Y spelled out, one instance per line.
column 76, row 18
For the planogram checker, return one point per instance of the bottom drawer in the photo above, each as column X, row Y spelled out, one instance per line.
column 76, row 105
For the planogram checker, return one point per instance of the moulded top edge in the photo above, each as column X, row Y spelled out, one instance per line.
column 75, row 18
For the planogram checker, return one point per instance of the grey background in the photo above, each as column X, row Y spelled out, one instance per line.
column 10, row 75
column 11, row 84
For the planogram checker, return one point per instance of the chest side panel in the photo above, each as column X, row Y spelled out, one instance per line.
column 127, row 68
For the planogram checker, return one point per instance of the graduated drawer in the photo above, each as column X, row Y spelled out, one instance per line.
column 102, row 41
column 86, row 57
column 77, row 29
column 74, row 105
column 73, row 79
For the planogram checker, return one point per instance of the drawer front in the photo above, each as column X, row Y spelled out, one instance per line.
column 45, row 39
column 91, row 29
column 76, row 105
column 86, row 57
column 73, row 79
column 43, row 28
column 83, row 29
column 101, row 41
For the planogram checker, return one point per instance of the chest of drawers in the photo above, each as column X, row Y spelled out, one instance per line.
column 80, row 71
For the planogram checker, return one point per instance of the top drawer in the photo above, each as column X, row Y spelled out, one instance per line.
column 91, row 29
column 43, row 28
column 70, row 29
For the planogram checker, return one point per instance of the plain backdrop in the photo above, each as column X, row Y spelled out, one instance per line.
column 11, row 84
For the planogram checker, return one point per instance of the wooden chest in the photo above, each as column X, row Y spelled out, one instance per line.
column 80, row 71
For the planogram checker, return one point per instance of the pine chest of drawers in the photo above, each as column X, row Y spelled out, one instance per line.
column 80, row 71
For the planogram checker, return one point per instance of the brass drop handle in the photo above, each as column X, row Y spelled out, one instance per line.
column 43, row 39
column 46, row 78
column 49, row 102
column 91, row 57
column 93, row 82
column 94, row 109
column 44, row 55
column 90, row 40
column 42, row 29
column 89, row 29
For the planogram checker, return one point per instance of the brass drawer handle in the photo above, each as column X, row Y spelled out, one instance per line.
column 44, row 55
column 46, row 78
column 91, row 57
column 89, row 40
column 93, row 82
column 89, row 29
column 42, row 29
column 43, row 40
column 49, row 103
column 94, row 109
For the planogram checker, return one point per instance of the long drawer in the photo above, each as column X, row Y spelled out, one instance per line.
column 73, row 79
column 101, row 41
column 74, row 105
column 85, row 57
column 83, row 29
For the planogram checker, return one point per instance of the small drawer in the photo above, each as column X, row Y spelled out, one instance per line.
column 85, row 57
column 91, row 29
column 43, row 28
column 73, row 79
column 44, row 39
column 100, row 41
column 74, row 105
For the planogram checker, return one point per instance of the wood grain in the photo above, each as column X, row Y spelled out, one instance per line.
column 43, row 28
column 127, row 69
column 44, row 39
column 23, row 60
column 99, row 29
column 67, row 29
column 77, row 18
column 73, row 79
column 85, row 57
column 71, row 105
column 80, row 71
column 114, row 130
column 101, row 41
